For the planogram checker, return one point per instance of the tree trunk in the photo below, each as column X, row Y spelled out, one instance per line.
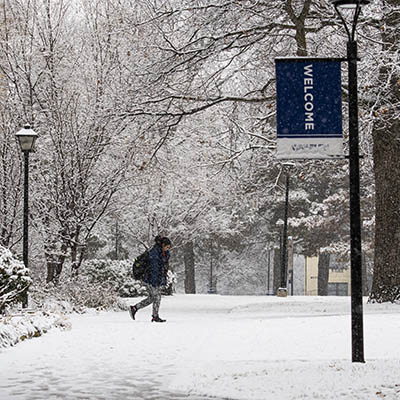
column 74, row 261
column 211, row 278
column 299, row 22
column 55, row 259
column 50, row 271
column 78, row 255
column 75, row 245
column 323, row 273
column 386, row 281
column 190, row 283
column 386, row 134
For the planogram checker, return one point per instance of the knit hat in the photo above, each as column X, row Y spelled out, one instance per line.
column 165, row 241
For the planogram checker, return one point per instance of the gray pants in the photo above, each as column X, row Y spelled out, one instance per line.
column 154, row 296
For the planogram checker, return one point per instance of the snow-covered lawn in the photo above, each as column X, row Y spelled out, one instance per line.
column 231, row 347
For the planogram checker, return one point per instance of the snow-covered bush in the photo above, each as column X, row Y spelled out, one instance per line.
column 16, row 328
column 172, row 280
column 74, row 294
column 14, row 279
column 99, row 285
column 83, row 293
column 117, row 274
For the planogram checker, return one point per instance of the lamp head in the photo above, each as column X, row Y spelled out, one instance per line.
column 26, row 138
column 289, row 164
column 354, row 6
column 350, row 4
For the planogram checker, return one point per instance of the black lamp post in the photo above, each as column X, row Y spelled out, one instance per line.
column 284, row 257
column 282, row 291
column 26, row 138
column 355, row 219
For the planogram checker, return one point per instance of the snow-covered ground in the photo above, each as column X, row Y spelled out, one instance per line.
column 24, row 325
column 230, row 347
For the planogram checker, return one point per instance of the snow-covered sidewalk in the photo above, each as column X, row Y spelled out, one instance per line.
column 231, row 347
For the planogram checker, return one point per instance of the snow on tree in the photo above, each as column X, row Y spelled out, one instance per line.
column 14, row 279
column 162, row 117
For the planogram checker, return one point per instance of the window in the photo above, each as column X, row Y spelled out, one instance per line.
column 337, row 289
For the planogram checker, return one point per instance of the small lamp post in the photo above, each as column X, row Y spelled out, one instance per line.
column 354, row 157
column 26, row 138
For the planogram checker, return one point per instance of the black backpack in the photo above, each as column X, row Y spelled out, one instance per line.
column 140, row 265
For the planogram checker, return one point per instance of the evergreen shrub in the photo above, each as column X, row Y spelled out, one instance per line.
column 116, row 273
column 14, row 279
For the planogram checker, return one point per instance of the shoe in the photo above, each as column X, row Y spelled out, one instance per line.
column 132, row 311
column 157, row 319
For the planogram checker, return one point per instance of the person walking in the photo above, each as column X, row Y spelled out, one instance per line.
column 154, row 278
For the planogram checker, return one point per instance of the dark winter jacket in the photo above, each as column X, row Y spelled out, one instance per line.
column 156, row 273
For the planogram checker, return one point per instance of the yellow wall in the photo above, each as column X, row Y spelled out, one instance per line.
column 311, row 276
column 340, row 276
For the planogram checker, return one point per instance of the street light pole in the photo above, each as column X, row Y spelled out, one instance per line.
column 355, row 219
column 26, row 219
column 269, row 271
column 26, row 138
column 357, row 330
column 284, row 257
column 290, row 266
column 283, row 290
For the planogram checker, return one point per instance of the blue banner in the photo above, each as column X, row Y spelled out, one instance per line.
column 309, row 108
